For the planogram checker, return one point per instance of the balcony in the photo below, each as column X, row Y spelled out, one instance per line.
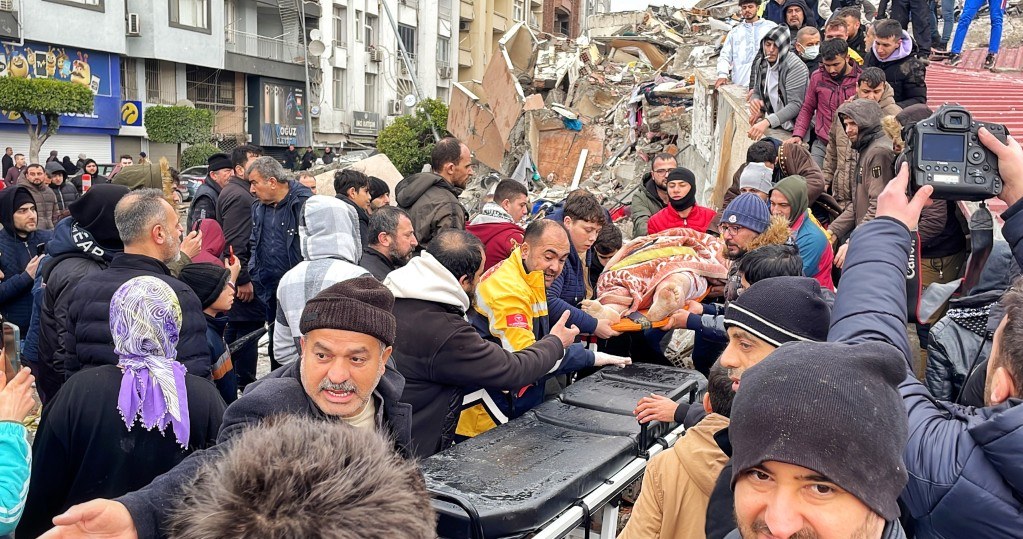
column 259, row 46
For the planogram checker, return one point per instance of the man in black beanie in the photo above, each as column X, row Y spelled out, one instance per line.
column 767, row 315
column 82, row 245
column 817, row 435
column 219, row 171
column 379, row 193
column 344, row 376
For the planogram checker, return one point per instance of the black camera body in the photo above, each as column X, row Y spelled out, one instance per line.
column 944, row 151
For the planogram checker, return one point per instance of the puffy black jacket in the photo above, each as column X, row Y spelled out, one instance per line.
column 72, row 254
column 965, row 467
column 89, row 342
column 961, row 340
column 204, row 205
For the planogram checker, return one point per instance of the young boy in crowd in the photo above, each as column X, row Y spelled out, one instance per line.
column 215, row 287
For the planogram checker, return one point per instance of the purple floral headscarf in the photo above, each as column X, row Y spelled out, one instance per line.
column 145, row 318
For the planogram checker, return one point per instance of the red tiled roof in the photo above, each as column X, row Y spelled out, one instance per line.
column 991, row 96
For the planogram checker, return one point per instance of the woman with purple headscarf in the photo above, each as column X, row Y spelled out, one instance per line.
column 111, row 430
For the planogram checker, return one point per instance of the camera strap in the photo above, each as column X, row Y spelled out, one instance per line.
column 982, row 240
column 914, row 284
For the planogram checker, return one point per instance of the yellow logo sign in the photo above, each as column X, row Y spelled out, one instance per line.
column 129, row 113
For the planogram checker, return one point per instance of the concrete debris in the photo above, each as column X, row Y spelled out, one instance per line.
column 593, row 110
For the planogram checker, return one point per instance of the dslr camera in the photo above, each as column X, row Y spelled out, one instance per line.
column 944, row 151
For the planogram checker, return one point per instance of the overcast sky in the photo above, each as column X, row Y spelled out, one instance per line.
column 636, row 5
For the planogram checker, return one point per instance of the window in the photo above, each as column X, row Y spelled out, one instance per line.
column 443, row 52
column 358, row 25
column 95, row 5
column 371, row 92
column 129, row 80
column 519, row 11
column 152, row 81
column 209, row 88
column 340, row 26
column 190, row 14
column 371, row 31
column 444, row 9
column 339, row 88
column 442, row 94
column 407, row 35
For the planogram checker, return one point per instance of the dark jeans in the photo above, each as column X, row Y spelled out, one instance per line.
column 246, row 357
column 947, row 8
column 271, row 317
column 920, row 12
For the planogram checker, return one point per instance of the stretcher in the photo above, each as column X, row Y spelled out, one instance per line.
column 549, row 471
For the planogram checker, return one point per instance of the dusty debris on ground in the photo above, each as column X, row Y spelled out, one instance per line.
column 556, row 113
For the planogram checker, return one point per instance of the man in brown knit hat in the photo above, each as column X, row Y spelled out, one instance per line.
column 343, row 376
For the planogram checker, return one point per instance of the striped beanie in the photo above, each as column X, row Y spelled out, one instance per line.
column 780, row 310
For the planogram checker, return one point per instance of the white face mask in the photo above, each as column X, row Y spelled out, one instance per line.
column 811, row 52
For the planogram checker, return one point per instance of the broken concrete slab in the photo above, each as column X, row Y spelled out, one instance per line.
column 560, row 150
column 474, row 124
column 502, row 95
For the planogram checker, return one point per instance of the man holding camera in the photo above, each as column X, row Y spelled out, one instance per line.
column 957, row 456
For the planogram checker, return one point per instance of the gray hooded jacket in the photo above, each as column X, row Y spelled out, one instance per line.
column 331, row 248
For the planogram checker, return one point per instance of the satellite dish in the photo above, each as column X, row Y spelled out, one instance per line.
column 316, row 47
column 315, row 34
column 410, row 101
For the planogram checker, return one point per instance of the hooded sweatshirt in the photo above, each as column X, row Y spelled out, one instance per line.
column 875, row 166
column 812, row 241
column 782, row 85
column 500, row 236
column 809, row 16
column 16, row 251
column 432, row 204
column 213, row 243
column 331, row 248
column 903, row 71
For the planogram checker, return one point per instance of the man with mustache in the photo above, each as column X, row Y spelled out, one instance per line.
column 392, row 241
column 344, row 375
column 652, row 197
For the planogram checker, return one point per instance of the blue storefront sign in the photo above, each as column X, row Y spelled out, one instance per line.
column 99, row 71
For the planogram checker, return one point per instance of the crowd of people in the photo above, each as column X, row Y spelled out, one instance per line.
column 396, row 331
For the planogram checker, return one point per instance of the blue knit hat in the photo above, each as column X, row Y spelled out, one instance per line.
column 749, row 211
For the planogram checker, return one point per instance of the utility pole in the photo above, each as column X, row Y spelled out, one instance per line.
column 305, row 64
column 409, row 67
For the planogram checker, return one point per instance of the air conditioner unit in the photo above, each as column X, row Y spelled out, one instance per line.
column 376, row 55
column 445, row 72
column 463, row 26
column 134, row 26
column 394, row 107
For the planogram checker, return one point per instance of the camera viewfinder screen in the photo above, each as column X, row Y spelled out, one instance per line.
column 943, row 147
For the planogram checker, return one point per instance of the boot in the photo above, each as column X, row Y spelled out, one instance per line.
column 954, row 59
column 989, row 62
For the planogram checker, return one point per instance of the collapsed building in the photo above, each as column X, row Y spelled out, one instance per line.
column 559, row 114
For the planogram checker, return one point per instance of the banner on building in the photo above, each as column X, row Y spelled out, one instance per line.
column 99, row 71
column 279, row 113
column 131, row 113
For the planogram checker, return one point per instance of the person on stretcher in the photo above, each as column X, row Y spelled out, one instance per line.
column 658, row 274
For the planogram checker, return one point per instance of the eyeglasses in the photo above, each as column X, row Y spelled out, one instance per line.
column 729, row 230
column 662, row 171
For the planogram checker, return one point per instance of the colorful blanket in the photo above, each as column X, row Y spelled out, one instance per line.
column 632, row 276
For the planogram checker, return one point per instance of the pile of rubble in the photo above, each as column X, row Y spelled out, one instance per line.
column 558, row 113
